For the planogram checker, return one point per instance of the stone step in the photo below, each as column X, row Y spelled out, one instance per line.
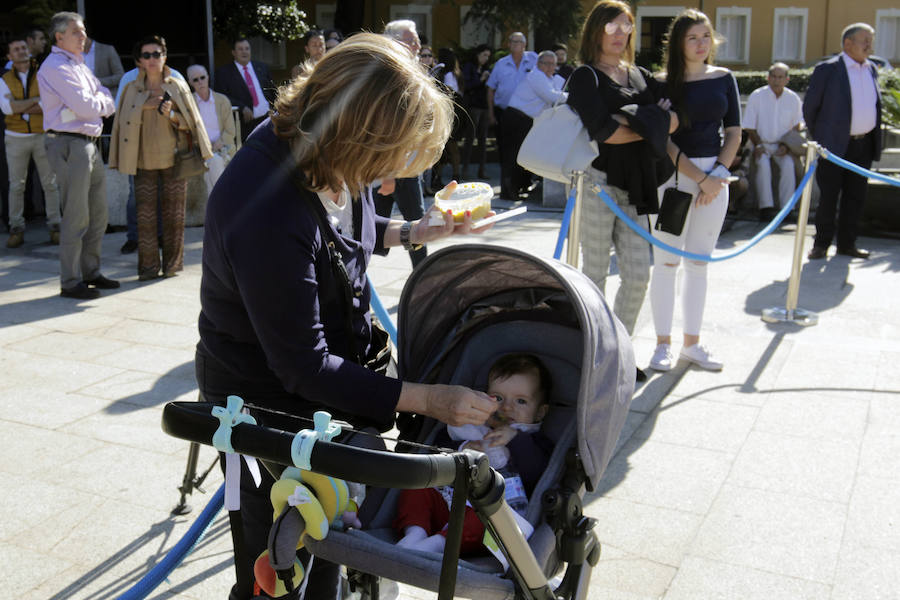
column 890, row 159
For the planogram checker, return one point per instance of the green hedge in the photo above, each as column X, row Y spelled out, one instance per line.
column 750, row 80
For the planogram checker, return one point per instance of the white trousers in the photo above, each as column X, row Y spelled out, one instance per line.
column 763, row 180
column 699, row 236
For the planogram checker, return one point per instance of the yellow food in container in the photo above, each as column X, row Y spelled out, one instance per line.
column 473, row 196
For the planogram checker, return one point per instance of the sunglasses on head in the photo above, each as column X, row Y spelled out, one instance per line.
column 196, row 79
column 154, row 54
column 625, row 28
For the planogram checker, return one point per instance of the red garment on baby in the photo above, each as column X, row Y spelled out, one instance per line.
column 428, row 509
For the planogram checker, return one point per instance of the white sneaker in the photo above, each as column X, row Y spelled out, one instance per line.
column 702, row 357
column 663, row 359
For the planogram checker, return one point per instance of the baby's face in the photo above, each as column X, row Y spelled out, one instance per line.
column 519, row 398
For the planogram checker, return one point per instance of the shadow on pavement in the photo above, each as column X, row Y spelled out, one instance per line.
column 159, row 535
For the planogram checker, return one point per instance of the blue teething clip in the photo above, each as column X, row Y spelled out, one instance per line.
column 229, row 416
column 301, row 447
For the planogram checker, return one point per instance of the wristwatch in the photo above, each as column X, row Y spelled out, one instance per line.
column 405, row 230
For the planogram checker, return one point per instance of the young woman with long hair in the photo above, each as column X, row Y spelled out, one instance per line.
column 707, row 100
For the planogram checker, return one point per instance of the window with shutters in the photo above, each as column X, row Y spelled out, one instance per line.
column 733, row 24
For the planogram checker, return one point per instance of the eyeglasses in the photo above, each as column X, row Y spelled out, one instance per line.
column 427, row 55
column 196, row 79
column 154, row 54
column 625, row 28
column 516, row 41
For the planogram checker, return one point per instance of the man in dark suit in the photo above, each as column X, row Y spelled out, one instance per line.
column 842, row 109
column 248, row 85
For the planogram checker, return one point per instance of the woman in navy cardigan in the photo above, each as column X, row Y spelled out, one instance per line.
column 273, row 323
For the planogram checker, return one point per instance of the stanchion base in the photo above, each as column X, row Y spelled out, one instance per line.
column 783, row 315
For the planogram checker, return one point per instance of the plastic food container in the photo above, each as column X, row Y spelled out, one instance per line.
column 473, row 196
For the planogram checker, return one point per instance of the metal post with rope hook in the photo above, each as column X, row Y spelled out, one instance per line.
column 791, row 313
column 574, row 246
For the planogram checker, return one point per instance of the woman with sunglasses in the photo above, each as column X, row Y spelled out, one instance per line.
column 628, row 167
column 706, row 98
column 153, row 111
column 218, row 120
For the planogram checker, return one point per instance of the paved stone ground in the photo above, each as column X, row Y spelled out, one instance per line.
column 776, row 478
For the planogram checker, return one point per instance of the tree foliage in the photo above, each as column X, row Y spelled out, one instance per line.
column 274, row 21
column 554, row 20
column 37, row 12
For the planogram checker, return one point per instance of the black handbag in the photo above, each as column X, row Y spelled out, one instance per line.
column 674, row 207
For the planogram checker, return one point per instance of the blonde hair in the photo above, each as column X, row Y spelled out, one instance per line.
column 366, row 111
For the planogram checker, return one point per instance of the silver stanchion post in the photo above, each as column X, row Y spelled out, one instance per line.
column 790, row 313
column 574, row 245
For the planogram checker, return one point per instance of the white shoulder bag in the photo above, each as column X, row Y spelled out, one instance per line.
column 558, row 144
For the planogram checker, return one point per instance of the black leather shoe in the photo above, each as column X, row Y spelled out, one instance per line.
column 128, row 247
column 853, row 252
column 104, row 283
column 80, row 291
column 817, row 252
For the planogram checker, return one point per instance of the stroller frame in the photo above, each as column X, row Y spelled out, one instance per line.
column 468, row 471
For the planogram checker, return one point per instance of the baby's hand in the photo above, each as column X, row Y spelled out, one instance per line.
column 479, row 445
column 500, row 437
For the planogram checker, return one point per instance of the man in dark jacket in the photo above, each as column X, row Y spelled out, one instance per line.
column 842, row 109
column 248, row 85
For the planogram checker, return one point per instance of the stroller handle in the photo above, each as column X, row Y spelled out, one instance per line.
column 193, row 421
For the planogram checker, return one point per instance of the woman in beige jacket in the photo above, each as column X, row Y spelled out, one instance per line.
column 153, row 111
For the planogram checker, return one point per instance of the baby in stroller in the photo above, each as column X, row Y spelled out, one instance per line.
column 513, row 443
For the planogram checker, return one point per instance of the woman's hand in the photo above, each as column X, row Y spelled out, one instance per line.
column 450, row 404
column 387, row 186
column 710, row 188
column 664, row 103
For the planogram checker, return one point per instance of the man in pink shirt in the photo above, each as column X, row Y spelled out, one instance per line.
column 74, row 105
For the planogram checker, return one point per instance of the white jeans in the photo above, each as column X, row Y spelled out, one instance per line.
column 763, row 179
column 699, row 236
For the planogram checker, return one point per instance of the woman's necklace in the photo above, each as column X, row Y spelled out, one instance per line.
column 615, row 72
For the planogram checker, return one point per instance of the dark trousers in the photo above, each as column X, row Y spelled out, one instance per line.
column 513, row 178
column 408, row 196
column 840, row 186
column 254, row 519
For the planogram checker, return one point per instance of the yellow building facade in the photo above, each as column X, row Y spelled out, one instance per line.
column 756, row 32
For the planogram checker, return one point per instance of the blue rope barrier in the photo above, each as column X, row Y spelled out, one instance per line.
column 829, row 156
column 564, row 228
column 179, row 552
column 704, row 257
column 382, row 313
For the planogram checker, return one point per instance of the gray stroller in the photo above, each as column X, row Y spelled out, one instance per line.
column 467, row 306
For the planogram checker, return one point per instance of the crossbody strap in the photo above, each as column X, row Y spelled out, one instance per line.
column 677, row 158
column 335, row 259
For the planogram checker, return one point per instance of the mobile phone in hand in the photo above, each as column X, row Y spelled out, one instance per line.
column 166, row 97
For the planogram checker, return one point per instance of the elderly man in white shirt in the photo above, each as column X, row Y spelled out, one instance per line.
column 215, row 111
column 539, row 90
column 773, row 111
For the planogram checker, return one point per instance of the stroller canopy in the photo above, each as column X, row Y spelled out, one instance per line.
column 468, row 287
